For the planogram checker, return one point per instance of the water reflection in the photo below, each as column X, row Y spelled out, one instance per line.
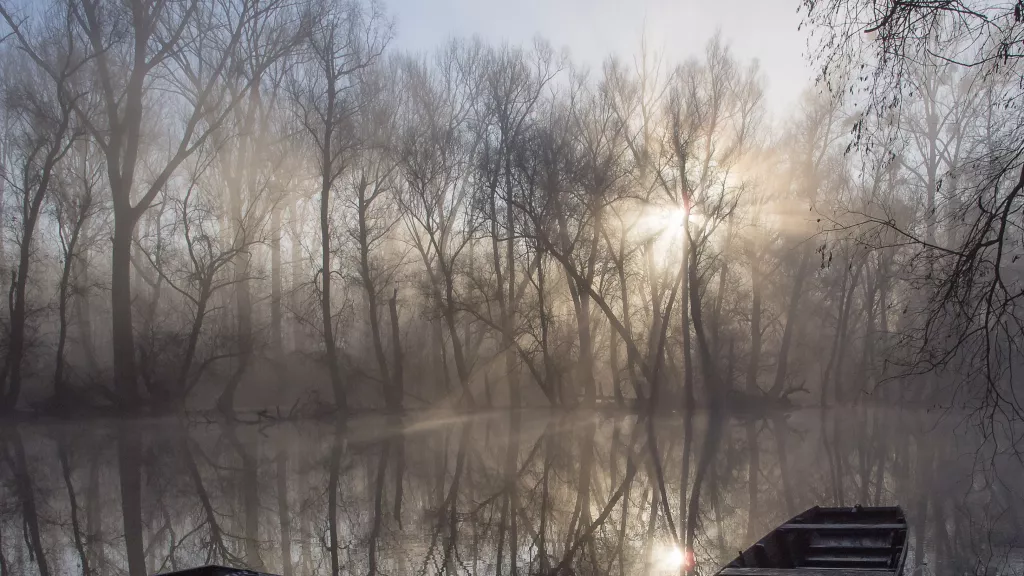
column 530, row 493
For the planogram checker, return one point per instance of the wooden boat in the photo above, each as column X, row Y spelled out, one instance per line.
column 829, row 542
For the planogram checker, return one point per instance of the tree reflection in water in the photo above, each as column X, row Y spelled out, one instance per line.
column 537, row 493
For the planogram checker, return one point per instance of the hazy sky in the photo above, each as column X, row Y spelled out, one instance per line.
column 593, row 29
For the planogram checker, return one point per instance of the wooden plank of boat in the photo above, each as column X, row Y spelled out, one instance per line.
column 215, row 571
column 799, row 572
column 848, row 527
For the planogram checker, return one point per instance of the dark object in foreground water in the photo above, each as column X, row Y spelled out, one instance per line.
column 858, row 540
column 215, row 571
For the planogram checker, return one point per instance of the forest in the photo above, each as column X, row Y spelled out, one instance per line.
column 241, row 204
column 283, row 295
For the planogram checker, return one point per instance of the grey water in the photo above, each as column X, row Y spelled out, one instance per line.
column 532, row 492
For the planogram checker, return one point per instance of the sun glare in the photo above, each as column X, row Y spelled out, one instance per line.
column 674, row 217
column 665, row 220
column 672, row 558
column 663, row 226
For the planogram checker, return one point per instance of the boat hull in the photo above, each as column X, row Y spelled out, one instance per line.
column 829, row 541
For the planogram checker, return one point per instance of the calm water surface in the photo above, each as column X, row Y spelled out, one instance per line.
column 527, row 493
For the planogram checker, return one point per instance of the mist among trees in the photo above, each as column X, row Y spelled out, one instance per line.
column 247, row 204
column 261, row 209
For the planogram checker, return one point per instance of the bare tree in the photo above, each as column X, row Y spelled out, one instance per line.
column 345, row 39
column 47, row 132
column 435, row 153
column 74, row 205
column 966, row 320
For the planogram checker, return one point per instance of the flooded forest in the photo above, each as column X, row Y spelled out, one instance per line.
column 283, row 296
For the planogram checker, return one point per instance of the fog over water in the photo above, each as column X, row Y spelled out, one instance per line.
column 458, row 494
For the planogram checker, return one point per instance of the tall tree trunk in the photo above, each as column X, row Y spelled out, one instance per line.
column 512, row 489
column 83, row 309
column 509, row 324
column 182, row 383
column 60, row 391
column 16, row 340
column 123, row 337
column 32, row 201
column 250, row 498
column 398, row 372
column 687, row 455
column 378, row 506
column 613, row 364
column 450, row 505
column 332, row 499
column 714, row 387
column 627, row 321
column 753, row 473
column 545, row 503
column 283, row 512
column 151, row 376
column 399, row 479
column 684, row 310
column 581, row 301
column 779, row 428
column 129, row 465
column 296, row 275
column 328, row 172
column 792, row 317
column 326, row 309
column 755, row 327
column 836, row 361
column 716, row 504
column 581, row 511
column 689, row 399
column 370, row 288
column 243, row 300
column 753, row 390
column 306, row 535
column 552, row 381
column 621, row 540
column 587, row 352
column 448, row 307
column 923, row 472
column 276, row 318
column 26, row 494
column 440, row 367
column 723, row 275
column 378, row 347
column 709, row 451
column 76, row 525
column 93, row 517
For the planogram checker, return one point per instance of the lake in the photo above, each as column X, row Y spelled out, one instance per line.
column 531, row 492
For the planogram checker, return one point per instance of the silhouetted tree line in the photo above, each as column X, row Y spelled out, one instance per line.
column 253, row 199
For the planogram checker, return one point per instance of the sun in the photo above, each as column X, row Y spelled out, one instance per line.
column 665, row 219
column 662, row 226
column 672, row 558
